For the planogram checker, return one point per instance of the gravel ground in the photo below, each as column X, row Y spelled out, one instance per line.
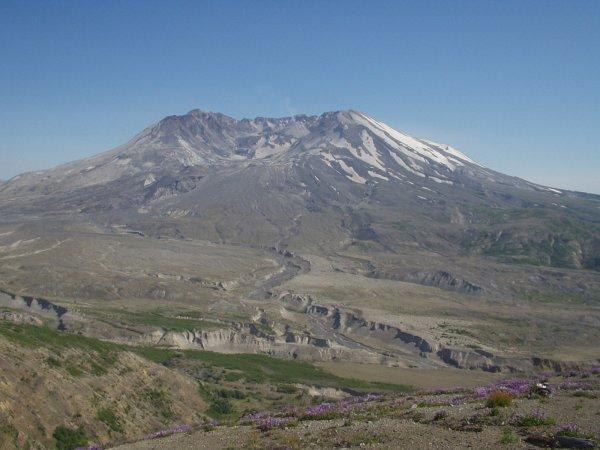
column 330, row 434
column 419, row 421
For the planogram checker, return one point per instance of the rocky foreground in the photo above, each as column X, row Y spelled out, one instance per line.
column 547, row 411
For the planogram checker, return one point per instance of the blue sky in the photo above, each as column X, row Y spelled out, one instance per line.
column 514, row 84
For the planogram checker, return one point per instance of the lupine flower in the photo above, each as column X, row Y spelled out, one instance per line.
column 444, row 391
column 274, row 422
column 534, row 419
column 168, row 431
column 460, row 399
column 586, row 384
column 515, row 387
column 265, row 420
column 253, row 418
column 569, row 429
column 288, row 411
column 319, row 410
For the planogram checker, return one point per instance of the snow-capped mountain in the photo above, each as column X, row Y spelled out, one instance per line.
column 349, row 142
column 323, row 181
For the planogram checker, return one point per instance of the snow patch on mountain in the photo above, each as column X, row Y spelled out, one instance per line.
column 402, row 164
column 351, row 173
column 376, row 175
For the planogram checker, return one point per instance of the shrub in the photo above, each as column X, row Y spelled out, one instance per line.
column 508, row 437
column 585, row 394
column 74, row 371
column 9, row 430
column 69, row 439
column 160, row 401
column 204, row 392
column 220, row 407
column 233, row 376
column 53, row 362
column 499, row 399
column 98, row 369
column 231, row 393
column 570, row 429
column 442, row 414
column 287, row 389
column 535, row 419
column 323, row 411
column 110, row 419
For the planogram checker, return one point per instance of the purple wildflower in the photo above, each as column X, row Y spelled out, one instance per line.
column 274, row 422
column 444, row 391
column 318, row 409
column 515, row 387
column 168, row 431
column 569, row 429
column 254, row 418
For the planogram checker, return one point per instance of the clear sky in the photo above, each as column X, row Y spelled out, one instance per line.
column 514, row 84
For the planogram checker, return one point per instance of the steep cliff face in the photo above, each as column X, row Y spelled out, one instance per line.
column 478, row 359
column 247, row 339
column 349, row 323
column 335, row 334
column 441, row 279
column 39, row 305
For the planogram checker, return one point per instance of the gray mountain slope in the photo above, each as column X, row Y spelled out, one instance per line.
column 299, row 181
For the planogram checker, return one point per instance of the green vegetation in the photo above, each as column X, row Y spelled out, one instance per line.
column 508, row 437
column 262, row 368
column 68, row 438
column 231, row 393
column 157, row 318
column 460, row 331
column 41, row 336
column 362, row 439
column 442, row 414
column 553, row 297
column 220, row 407
column 233, row 376
column 585, row 394
column 401, row 225
column 8, row 431
column 499, row 399
column 287, row 389
column 205, row 392
column 252, row 368
column 219, row 400
column 157, row 354
column 110, row 419
column 98, row 369
column 53, row 362
column 159, row 400
column 74, row 371
column 101, row 354
column 265, row 328
column 534, row 420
